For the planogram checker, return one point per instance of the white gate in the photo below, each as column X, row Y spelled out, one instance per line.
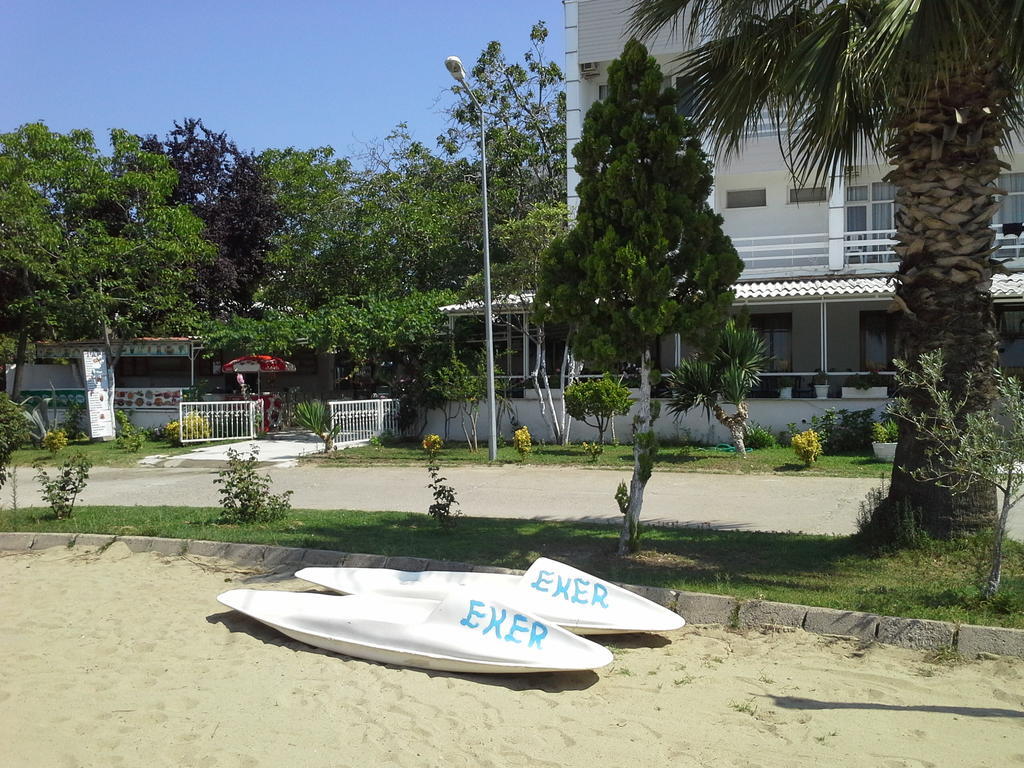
column 362, row 419
column 202, row 422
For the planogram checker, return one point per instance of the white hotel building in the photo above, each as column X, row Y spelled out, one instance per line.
column 816, row 261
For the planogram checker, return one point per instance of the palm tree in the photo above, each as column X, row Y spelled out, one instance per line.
column 934, row 87
column 726, row 375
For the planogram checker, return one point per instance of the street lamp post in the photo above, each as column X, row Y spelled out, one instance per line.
column 454, row 65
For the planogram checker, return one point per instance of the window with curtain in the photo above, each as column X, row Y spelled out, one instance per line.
column 1012, row 204
column 877, row 337
column 777, row 332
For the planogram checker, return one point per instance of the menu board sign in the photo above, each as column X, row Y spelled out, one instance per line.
column 97, row 393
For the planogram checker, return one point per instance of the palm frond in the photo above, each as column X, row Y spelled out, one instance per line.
column 692, row 385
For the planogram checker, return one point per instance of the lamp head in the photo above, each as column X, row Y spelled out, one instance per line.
column 454, row 65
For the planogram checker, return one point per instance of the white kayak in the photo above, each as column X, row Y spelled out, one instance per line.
column 465, row 632
column 554, row 591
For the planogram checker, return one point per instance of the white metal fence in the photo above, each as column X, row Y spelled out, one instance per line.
column 202, row 422
column 362, row 419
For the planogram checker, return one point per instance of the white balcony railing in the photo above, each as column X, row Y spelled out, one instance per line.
column 783, row 251
column 875, row 247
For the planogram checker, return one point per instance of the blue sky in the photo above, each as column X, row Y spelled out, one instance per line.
column 299, row 73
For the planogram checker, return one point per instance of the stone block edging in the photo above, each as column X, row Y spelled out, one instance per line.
column 696, row 607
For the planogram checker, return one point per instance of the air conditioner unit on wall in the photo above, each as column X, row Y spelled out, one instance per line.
column 588, row 69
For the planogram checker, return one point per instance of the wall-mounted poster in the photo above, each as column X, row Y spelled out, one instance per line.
column 97, row 394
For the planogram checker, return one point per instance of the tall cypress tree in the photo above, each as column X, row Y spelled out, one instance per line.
column 646, row 255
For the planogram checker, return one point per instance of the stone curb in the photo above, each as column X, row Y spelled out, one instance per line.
column 968, row 640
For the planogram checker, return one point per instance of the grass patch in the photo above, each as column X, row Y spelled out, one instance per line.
column 101, row 454
column 935, row 581
column 673, row 458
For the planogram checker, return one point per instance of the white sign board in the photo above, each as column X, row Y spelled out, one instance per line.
column 97, row 393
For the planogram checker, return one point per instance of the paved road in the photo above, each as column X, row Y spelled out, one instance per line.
column 741, row 502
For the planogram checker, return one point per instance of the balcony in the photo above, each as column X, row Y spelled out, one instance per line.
column 784, row 254
column 875, row 247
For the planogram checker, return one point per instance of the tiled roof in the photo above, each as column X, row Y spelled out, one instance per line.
column 1003, row 287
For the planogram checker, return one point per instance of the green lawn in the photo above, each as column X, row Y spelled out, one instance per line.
column 101, row 454
column 935, row 582
column 673, row 458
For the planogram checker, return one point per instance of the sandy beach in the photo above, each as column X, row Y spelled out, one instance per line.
column 120, row 659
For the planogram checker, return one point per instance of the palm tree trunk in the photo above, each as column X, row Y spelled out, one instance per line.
column 945, row 157
column 736, row 424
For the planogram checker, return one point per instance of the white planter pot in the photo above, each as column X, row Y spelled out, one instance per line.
column 785, row 393
column 871, row 393
column 884, row 451
column 821, row 391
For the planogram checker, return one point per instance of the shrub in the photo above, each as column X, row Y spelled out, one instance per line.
column 593, row 450
column 807, row 446
column 603, row 399
column 314, row 416
column 73, row 413
column 887, row 431
column 61, row 491
column 881, row 528
column 13, row 432
column 759, row 436
column 245, row 494
column 55, row 440
column 129, row 437
column 194, row 427
column 841, row 430
column 432, row 444
column 522, row 441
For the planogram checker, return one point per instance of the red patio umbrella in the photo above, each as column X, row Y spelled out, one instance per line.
column 258, row 364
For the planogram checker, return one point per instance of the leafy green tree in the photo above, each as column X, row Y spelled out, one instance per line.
column 317, row 253
column 935, row 87
column 965, row 449
column 724, row 375
column 647, row 255
column 464, row 385
column 100, row 251
column 602, row 399
column 228, row 190
column 525, row 106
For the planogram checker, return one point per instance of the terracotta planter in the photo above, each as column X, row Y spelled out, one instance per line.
column 884, row 451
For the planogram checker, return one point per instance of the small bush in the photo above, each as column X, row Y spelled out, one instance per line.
column 61, row 491
column 432, row 444
column 887, row 526
column 759, row 437
column 55, row 440
column 13, row 432
column 841, row 430
column 522, row 441
column 195, row 427
column 807, row 446
column 129, row 437
column 245, row 494
column 314, row 416
column 73, row 413
column 593, row 450
column 887, row 431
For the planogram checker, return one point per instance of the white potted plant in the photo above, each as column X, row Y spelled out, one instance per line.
column 821, row 384
column 785, row 387
column 885, row 435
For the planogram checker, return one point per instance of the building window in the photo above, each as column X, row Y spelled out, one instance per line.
column 777, row 332
column 869, row 217
column 808, row 195
column 602, row 92
column 686, row 105
column 746, row 198
column 877, row 337
column 1012, row 204
column 1010, row 320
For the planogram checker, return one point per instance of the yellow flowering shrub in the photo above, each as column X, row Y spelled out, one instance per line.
column 196, row 427
column 807, row 445
column 55, row 440
column 432, row 444
column 522, row 441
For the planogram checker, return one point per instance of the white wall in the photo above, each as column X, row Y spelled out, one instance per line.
column 772, row 413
